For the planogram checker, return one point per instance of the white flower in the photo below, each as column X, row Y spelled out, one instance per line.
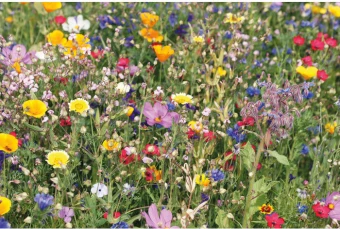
column 122, row 88
column 100, row 190
column 147, row 160
column 206, row 111
column 75, row 24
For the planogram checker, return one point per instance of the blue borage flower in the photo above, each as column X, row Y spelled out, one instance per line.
column 236, row 133
column 302, row 208
column 251, row 91
column 4, row 223
column 216, row 174
column 305, row 149
column 121, row 224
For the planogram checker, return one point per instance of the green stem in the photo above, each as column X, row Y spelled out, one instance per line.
column 246, row 219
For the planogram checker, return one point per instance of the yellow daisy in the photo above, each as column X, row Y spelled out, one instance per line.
column 182, row 98
column 58, row 158
column 79, row 105
column 266, row 209
column 111, row 144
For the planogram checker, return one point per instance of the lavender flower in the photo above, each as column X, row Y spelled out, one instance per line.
column 4, row 223
column 155, row 221
column 66, row 213
column 217, row 175
column 43, row 200
column 17, row 54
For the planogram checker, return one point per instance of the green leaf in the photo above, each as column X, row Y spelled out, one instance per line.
column 261, row 186
column 248, row 156
column 256, row 203
column 36, row 128
column 222, row 220
column 280, row 158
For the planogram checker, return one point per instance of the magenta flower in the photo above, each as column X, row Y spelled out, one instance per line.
column 155, row 221
column 333, row 203
column 16, row 54
column 66, row 213
column 159, row 114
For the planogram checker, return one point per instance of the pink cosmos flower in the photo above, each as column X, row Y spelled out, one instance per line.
column 17, row 54
column 66, row 213
column 155, row 221
column 333, row 203
column 159, row 114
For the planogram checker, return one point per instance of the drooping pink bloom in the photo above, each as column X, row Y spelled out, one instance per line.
column 333, row 203
column 159, row 114
column 158, row 221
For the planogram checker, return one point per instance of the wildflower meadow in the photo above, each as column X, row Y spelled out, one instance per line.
column 169, row 115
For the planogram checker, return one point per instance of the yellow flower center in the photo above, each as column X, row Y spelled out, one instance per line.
column 76, row 27
column 331, row 206
column 17, row 67
column 158, row 119
column 79, row 106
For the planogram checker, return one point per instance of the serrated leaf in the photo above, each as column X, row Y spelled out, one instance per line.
column 222, row 220
column 280, row 158
column 248, row 156
column 261, row 186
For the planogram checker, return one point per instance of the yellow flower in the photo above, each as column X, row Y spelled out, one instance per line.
column 318, row 10
column 196, row 126
column 220, row 71
column 129, row 111
column 51, row 6
column 158, row 173
column 17, row 67
column 266, row 209
column 198, row 39
column 334, row 10
column 148, row 19
column 151, row 35
column 181, row 98
column 231, row 18
column 79, row 105
column 330, row 128
column 9, row 19
column 5, row 205
column 35, row 108
column 58, row 158
column 8, row 143
column 79, row 44
column 56, row 38
column 111, row 144
column 202, row 180
column 307, row 73
column 163, row 52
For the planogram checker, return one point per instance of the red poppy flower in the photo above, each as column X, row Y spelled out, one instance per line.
column 322, row 36
column 331, row 42
column 321, row 211
column 191, row 134
column 60, row 19
column 298, row 40
column 14, row 134
column 274, row 221
column 116, row 215
column 307, row 60
column 208, row 136
column 127, row 159
column 322, row 75
column 247, row 121
column 65, row 122
column 151, row 149
column 123, row 62
column 98, row 54
column 317, row 44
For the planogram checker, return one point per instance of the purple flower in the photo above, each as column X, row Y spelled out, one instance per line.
column 159, row 114
column 17, row 54
column 66, row 213
column 4, row 223
column 173, row 19
column 333, row 202
column 155, row 221
column 43, row 200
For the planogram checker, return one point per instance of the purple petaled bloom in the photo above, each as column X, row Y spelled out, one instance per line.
column 276, row 6
column 66, row 213
column 333, row 202
column 128, row 43
column 173, row 19
column 4, row 223
column 159, row 114
column 16, row 54
column 155, row 221
column 182, row 30
column 43, row 200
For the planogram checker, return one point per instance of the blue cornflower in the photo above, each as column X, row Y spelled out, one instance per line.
column 121, row 224
column 302, row 208
column 217, row 175
column 182, row 30
column 190, row 17
column 171, row 106
column 305, row 149
column 4, row 223
column 43, row 200
column 236, row 133
column 204, row 197
column 173, row 19
column 291, row 177
column 291, row 22
column 309, row 95
column 274, row 51
column 251, row 91
column 289, row 51
column 228, row 35
column 128, row 43
column 78, row 6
